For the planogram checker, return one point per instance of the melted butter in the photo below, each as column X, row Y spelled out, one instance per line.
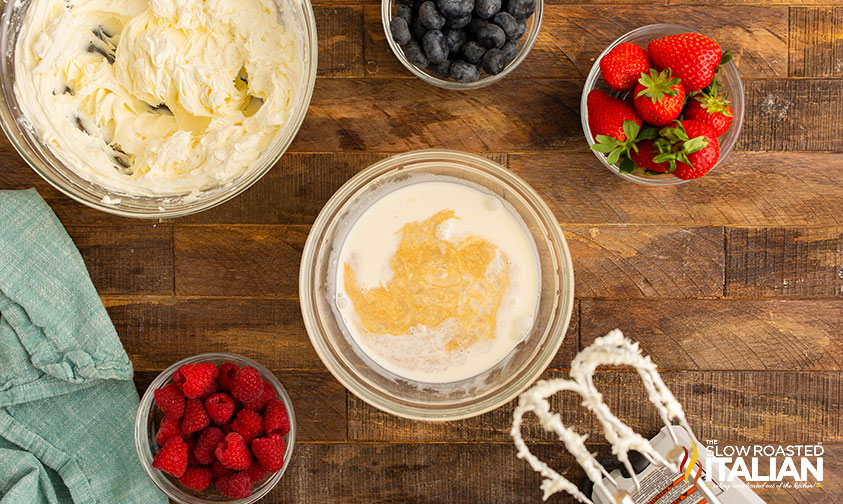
column 434, row 282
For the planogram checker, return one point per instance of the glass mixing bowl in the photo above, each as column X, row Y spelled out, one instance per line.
column 732, row 89
column 20, row 132
column 434, row 401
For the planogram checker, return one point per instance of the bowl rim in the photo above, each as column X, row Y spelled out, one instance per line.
column 239, row 186
column 398, row 52
column 594, row 74
column 142, row 440
column 562, row 304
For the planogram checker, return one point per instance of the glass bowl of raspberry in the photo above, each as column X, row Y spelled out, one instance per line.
column 215, row 428
column 730, row 87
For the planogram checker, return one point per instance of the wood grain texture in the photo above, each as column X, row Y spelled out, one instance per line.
column 340, row 33
column 734, row 406
column 805, row 262
column 157, row 331
column 634, row 262
column 572, row 37
column 816, row 42
column 724, row 334
column 749, row 189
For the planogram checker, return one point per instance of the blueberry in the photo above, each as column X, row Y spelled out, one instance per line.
column 510, row 51
column 400, row 31
column 418, row 30
column 442, row 70
column 455, row 40
column 486, row 8
column 521, row 9
column 435, row 47
column 475, row 25
column 473, row 52
column 522, row 28
column 405, row 12
column 464, row 72
column 415, row 54
column 493, row 61
column 507, row 22
column 457, row 23
column 491, row 36
column 430, row 16
column 455, row 8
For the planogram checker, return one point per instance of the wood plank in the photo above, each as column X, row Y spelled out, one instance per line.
column 634, row 262
column 135, row 259
column 476, row 473
column 785, row 262
column 749, row 189
column 572, row 37
column 725, row 334
column 318, row 402
column 793, row 115
column 816, row 42
column 340, row 40
column 157, row 332
column 733, row 406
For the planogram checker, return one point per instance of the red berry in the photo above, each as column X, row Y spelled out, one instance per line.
column 220, row 407
column 256, row 472
column 659, row 98
column 207, row 443
column 191, row 452
column 211, row 389
column 267, row 393
column 703, row 160
column 220, row 470
column 193, row 379
column 170, row 400
column 233, row 452
column 248, row 424
column 624, row 64
column 276, row 419
column 197, row 478
column 247, row 385
column 692, row 57
column 227, row 372
column 713, row 110
column 169, row 427
column 172, row 458
column 269, row 451
column 606, row 115
column 643, row 158
column 235, row 486
column 195, row 417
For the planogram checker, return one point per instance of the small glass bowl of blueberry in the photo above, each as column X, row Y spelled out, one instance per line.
column 461, row 44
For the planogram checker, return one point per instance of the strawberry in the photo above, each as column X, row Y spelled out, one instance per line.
column 643, row 156
column 606, row 115
column 690, row 147
column 617, row 150
column 713, row 110
column 624, row 64
column 659, row 98
column 692, row 57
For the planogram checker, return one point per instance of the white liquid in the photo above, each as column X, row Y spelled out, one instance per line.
column 373, row 240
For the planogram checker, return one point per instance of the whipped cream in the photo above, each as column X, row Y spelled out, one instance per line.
column 158, row 97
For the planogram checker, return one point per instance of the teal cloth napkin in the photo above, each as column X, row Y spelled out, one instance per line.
column 67, row 400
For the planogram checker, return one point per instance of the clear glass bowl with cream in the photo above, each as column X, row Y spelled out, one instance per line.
column 436, row 285
column 155, row 108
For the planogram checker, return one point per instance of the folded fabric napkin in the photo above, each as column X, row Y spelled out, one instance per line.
column 67, row 400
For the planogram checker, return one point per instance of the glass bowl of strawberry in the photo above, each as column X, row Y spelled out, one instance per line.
column 215, row 428
column 662, row 105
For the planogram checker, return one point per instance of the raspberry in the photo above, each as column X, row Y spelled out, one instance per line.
column 169, row 427
column 256, row 472
column 267, row 394
column 247, row 385
column 171, row 400
column 227, row 372
column 212, row 388
column 269, row 451
column 195, row 417
column 193, row 379
column 276, row 418
column 172, row 458
column 248, row 424
column 236, row 486
column 233, row 452
column 220, row 407
column 220, row 470
column 191, row 452
column 197, row 478
column 207, row 443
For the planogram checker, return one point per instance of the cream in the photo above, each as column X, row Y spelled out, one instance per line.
column 157, row 97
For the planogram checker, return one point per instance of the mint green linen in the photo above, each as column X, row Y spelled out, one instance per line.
column 67, row 400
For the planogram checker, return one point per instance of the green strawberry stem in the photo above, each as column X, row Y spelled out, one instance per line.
column 616, row 149
column 658, row 85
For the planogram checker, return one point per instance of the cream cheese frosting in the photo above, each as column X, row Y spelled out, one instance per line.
column 157, row 97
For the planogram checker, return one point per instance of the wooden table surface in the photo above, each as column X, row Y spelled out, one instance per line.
column 733, row 283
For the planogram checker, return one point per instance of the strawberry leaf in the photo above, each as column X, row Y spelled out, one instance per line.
column 626, row 166
column 648, row 133
column 694, row 145
column 631, row 128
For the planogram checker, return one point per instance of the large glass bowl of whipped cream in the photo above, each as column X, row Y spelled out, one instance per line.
column 155, row 109
column 436, row 285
